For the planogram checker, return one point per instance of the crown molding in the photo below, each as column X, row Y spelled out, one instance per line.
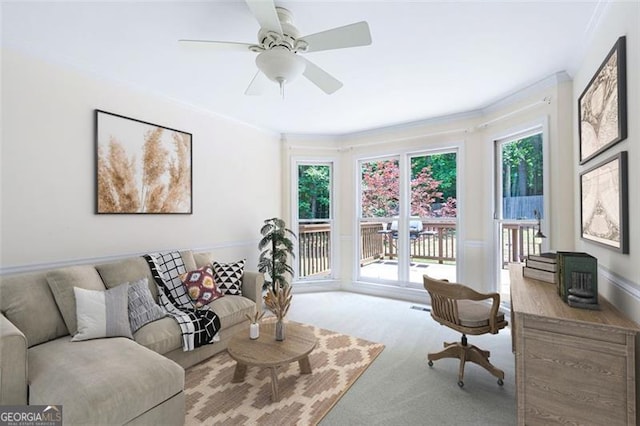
column 500, row 103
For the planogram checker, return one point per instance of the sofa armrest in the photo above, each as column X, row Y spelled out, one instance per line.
column 252, row 287
column 13, row 364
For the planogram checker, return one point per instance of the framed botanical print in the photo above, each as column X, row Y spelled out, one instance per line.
column 141, row 167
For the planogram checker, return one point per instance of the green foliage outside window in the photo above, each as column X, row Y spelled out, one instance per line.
column 314, row 197
column 522, row 167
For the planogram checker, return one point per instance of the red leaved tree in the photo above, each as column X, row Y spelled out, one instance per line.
column 381, row 192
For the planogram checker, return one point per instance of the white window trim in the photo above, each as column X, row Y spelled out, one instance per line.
column 334, row 257
column 404, row 156
column 530, row 128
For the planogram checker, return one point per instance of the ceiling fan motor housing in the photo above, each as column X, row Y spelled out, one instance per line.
column 289, row 37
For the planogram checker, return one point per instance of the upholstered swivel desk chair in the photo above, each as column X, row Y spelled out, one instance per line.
column 465, row 310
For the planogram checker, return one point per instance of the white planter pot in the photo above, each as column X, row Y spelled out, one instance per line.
column 254, row 330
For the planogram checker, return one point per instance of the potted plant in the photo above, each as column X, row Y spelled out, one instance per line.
column 276, row 248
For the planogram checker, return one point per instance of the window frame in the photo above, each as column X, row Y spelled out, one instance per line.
column 296, row 162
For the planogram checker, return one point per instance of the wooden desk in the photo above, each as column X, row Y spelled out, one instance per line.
column 573, row 366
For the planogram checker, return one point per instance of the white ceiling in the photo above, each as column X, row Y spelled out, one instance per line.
column 428, row 59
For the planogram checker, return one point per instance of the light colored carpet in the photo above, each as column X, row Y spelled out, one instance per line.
column 337, row 362
column 400, row 388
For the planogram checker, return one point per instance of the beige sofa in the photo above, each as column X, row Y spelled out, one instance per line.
column 110, row 381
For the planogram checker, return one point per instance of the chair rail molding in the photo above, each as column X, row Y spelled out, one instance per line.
column 621, row 283
column 33, row 267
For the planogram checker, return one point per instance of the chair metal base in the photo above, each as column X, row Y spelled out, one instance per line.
column 464, row 352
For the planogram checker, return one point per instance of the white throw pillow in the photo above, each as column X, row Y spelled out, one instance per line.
column 102, row 313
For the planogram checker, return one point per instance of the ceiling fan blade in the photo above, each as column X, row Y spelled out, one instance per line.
column 325, row 81
column 265, row 13
column 351, row 35
column 218, row 45
column 258, row 84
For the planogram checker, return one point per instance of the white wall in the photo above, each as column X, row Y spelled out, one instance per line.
column 48, row 173
column 619, row 279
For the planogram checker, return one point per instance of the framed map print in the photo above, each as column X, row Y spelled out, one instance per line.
column 604, row 203
column 602, row 107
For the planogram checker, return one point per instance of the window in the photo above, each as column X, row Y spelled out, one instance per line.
column 407, row 217
column 314, row 219
column 520, row 199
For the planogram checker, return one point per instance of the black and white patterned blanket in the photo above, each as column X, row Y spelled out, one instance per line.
column 199, row 326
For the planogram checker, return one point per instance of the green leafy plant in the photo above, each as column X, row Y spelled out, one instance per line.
column 276, row 246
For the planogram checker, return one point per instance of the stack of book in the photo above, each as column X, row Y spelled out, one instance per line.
column 541, row 267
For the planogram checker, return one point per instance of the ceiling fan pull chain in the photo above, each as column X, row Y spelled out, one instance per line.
column 281, row 83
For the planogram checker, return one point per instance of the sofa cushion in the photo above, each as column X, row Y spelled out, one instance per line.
column 229, row 276
column 232, row 309
column 101, row 381
column 127, row 271
column 142, row 308
column 203, row 258
column 102, row 313
column 201, row 285
column 27, row 301
column 62, row 281
column 160, row 336
column 135, row 268
column 164, row 335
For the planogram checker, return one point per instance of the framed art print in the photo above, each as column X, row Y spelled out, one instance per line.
column 604, row 203
column 602, row 107
column 141, row 167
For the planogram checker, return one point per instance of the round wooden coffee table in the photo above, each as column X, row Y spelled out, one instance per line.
column 267, row 352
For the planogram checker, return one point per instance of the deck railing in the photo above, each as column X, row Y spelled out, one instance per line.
column 314, row 244
column 372, row 245
column 436, row 242
column 518, row 241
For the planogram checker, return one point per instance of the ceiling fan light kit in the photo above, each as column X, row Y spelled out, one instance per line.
column 279, row 46
column 280, row 65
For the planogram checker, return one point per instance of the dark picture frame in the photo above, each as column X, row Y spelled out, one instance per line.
column 602, row 106
column 141, row 167
column 604, row 203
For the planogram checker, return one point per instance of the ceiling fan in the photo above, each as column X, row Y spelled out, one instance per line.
column 280, row 46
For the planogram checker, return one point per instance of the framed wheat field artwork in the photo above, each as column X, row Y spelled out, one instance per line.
column 602, row 107
column 141, row 168
column 604, row 203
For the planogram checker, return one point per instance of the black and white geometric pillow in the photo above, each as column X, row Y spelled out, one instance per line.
column 229, row 277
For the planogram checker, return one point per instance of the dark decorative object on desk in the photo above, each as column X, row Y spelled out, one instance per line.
column 578, row 279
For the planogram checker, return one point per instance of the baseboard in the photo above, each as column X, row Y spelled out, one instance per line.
column 316, row 286
column 389, row 291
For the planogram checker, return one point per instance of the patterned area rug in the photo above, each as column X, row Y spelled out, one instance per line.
column 337, row 362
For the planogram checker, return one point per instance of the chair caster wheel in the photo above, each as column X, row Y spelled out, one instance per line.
column 461, row 383
column 500, row 382
column 430, row 363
